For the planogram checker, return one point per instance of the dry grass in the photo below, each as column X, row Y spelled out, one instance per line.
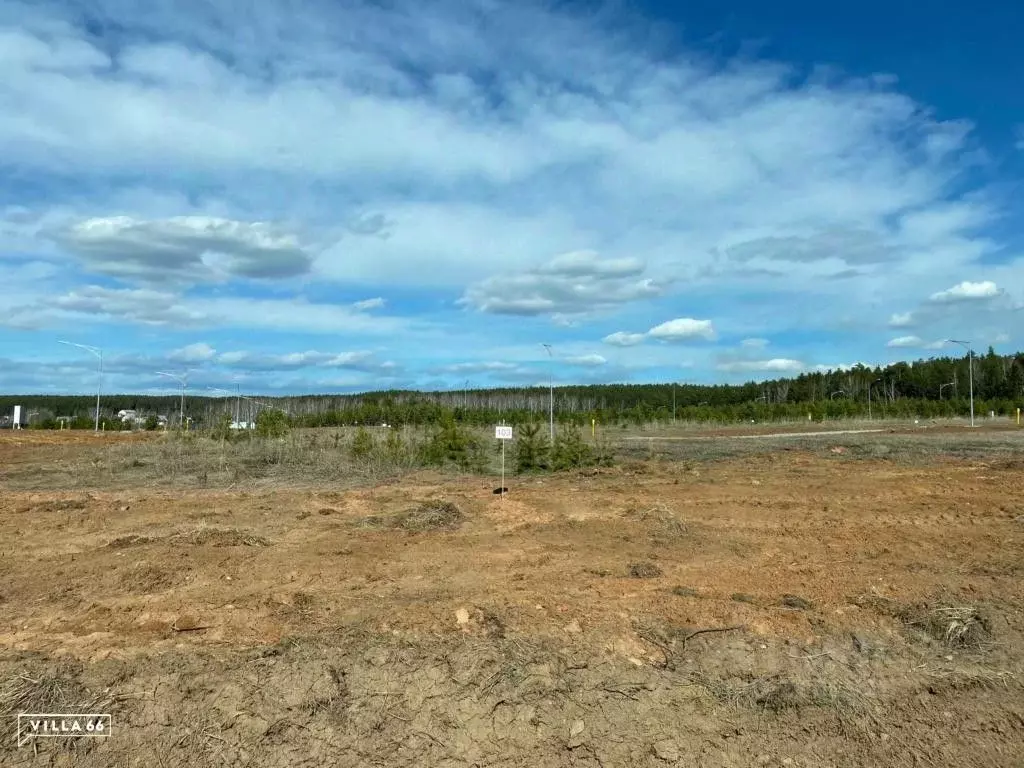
column 220, row 537
column 962, row 627
column 58, row 689
column 959, row 626
column 778, row 693
column 435, row 515
column 665, row 524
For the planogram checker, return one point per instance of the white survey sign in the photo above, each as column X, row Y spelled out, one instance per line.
column 503, row 433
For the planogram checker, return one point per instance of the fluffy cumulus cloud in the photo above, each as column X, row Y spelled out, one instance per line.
column 624, row 339
column 681, row 329
column 261, row 178
column 183, row 248
column 569, row 284
column 905, row 342
column 966, row 291
column 980, row 310
column 199, row 352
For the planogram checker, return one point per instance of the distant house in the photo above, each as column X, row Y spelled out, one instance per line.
column 243, row 425
column 128, row 416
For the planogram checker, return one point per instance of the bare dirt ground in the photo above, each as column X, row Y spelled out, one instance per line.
column 821, row 604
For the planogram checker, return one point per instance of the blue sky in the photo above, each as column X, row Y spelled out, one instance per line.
column 312, row 197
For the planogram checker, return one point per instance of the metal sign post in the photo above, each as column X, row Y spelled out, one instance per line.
column 503, row 433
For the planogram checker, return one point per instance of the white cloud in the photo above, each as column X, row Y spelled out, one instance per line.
column 164, row 308
column 184, row 248
column 754, row 343
column 679, row 329
column 375, row 303
column 193, row 353
column 573, row 283
column 145, row 306
column 482, row 367
column 901, row 320
column 905, row 342
column 775, row 365
column 683, row 329
column 624, row 339
column 966, row 291
column 586, row 360
column 256, row 361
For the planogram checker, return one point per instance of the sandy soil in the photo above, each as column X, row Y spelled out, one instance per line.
column 791, row 609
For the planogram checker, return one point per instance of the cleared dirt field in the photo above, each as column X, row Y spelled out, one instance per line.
column 853, row 601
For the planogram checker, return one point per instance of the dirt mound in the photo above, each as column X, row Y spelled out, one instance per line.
column 132, row 540
column 146, row 578
column 644, row 571
column 220, row 537
column 434, row 515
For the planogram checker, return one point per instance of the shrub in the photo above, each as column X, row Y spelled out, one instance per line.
column 152, row 422
column 362, row 444
column 272, row 423
column 452, row 444
column 569, row 451
column 221, row 429
column 532, row 448
column 394, row 447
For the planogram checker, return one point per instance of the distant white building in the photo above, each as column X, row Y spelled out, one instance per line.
column 18, row 420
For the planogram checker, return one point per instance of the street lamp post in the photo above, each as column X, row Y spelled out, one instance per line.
column 551, row 391
column 970, row 361
column 99, row 384
column 183, row 380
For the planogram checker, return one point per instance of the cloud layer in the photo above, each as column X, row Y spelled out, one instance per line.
column 459, row 180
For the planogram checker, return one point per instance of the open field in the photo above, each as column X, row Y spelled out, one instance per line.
column 825, row 600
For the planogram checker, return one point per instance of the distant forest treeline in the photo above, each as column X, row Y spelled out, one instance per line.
column 926, row 388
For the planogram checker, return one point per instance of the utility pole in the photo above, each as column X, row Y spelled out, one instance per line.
column 183, row 379
column 551, row 391
column 96, row 351
column 970, row 361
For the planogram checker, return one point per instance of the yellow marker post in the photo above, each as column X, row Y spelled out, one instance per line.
column 593, row 424
column 1018, row 417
